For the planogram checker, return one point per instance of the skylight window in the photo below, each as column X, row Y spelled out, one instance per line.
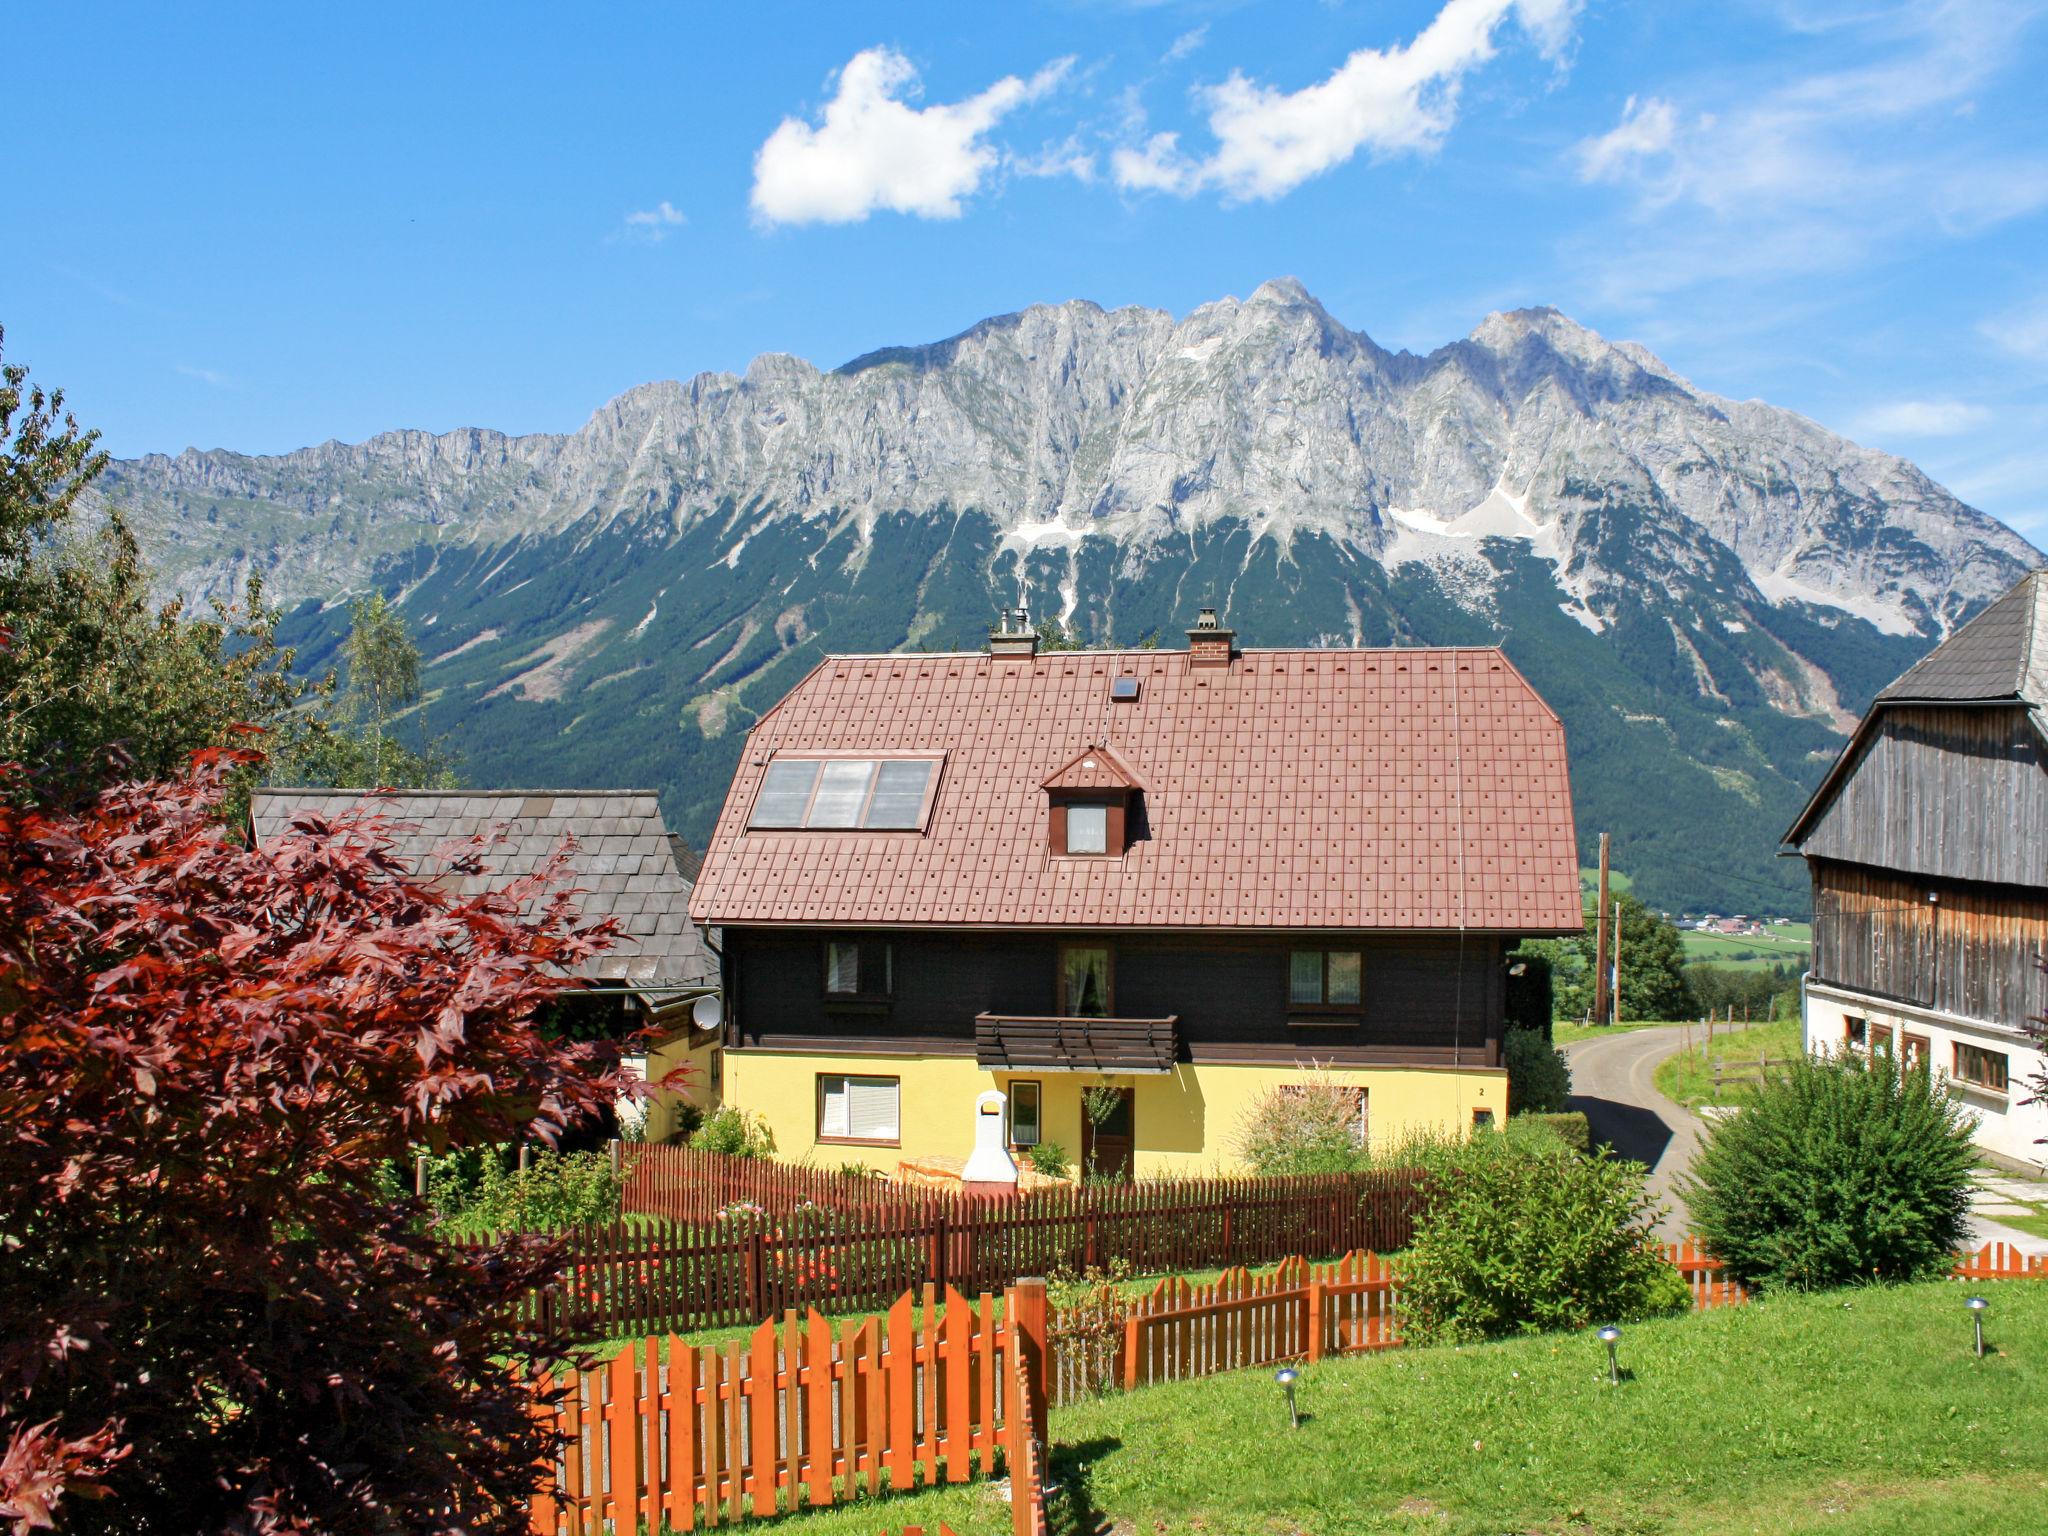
column 890, row 794
column 1123, row 690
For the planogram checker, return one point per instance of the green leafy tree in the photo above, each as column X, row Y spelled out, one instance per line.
column 383, row 668
column 1837, row 1171
column 88, row 658
column 1539, row 1078
column 1653, row 973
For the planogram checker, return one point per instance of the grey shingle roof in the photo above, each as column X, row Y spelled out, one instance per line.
column 2000, row 654
column 623, row 863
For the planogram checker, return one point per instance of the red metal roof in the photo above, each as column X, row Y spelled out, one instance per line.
column 1295, row 789
column 1095, row 766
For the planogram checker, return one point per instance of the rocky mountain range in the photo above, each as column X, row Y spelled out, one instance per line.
column 1707, row 590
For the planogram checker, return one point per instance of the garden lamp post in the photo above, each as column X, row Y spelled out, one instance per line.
column 1611, row 1336
column 1977, row 1306
column 1286, row 1376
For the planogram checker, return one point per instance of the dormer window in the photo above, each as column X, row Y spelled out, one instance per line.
column 846, row 792
column 1087, row 829
column 1091, row 805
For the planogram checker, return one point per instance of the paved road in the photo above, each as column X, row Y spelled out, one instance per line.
column 1611, row 1081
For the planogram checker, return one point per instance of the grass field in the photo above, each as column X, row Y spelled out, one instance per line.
column 1791, row 944
column 1859, row 1413
column 1688, row 1076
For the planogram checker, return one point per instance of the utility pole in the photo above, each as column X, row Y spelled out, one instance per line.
column 1600, row 940
column 1617, row 961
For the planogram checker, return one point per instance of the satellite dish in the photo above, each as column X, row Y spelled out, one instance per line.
column 708, row 1012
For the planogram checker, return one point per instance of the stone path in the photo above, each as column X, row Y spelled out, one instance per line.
column 1997, row 1194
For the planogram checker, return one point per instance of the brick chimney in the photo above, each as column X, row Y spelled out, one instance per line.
column 1013, row 638
column 1209, row 641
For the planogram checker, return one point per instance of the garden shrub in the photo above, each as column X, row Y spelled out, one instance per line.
column 1310, row 1125
column 1520, row 1234
column 1836, row 1171
column 1050, row 1159
column 1539, row 1081
column 735, row 1133
column 1571, row 1128
column 477, row 1196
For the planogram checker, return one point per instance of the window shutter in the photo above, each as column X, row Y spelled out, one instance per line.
column 833, row 1122
column 871, row 1108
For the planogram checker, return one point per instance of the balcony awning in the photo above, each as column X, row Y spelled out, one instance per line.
column 1008, row 1043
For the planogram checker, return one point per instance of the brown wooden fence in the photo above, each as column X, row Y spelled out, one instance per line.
column 802, row 1414
column 649, row 1275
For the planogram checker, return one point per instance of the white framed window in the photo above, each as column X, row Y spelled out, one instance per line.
column 1026, row 1114
column 1087, row 829
column 858, row 1108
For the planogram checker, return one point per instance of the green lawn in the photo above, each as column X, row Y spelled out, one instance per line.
column 1688, row 1076
column 1858, row 1412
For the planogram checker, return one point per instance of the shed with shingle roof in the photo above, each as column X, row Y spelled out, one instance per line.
column 622, row 863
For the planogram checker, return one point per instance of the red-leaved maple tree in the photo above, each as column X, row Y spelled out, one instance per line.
column 210, row 1318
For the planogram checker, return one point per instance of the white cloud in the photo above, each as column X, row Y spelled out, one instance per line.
column 870, row 150
column 1920, row 418
column 1645, row 131
column 204, row 375
column 1185, row 44
column 2023, row 329
column 1773, row 173
column 1067, row 158
column 654, row 225
column 1388, row 101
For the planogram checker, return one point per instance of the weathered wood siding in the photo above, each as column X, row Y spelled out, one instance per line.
column 1426, row 998
column 1957, row 793
column 1971, row 951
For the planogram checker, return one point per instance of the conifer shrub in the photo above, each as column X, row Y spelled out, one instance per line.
column 1837, row 1171
column 1520, row 1234
column 1539, row 1080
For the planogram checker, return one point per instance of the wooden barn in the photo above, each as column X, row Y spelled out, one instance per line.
column 1928, row 844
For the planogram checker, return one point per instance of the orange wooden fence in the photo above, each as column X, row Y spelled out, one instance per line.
column 809, row 1413
column 1305, row 1311
column 802, row 1413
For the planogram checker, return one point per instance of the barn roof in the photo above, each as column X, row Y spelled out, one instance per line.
column 1999, row 657
column 622, row 863
column 2000, row 654
column 1407, row 789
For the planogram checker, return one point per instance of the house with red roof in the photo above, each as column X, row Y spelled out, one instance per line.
column 1135, row 890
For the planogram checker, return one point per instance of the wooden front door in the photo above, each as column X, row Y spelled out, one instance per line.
column 1107, row 1148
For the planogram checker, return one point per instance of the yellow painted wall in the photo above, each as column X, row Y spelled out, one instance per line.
column 705, row 1064
column 1186, row 1121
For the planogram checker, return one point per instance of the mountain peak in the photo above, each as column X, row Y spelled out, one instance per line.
column 1285, row 292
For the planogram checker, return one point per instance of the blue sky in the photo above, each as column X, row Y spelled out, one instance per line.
column 257, row 227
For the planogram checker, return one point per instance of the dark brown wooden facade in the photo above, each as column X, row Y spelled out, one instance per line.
column 1426, row 1000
